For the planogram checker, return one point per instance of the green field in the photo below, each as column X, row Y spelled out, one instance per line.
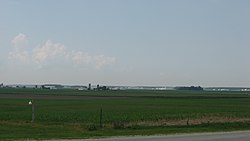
column 131, row 112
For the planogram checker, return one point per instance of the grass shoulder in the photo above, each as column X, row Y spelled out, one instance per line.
column 39, row 131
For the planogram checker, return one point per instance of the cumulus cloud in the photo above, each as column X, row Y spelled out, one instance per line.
column 98, row 61
column 48, row 51
column 79, row 57
column 22, row 56
column 20, row 40
column 51, row 50
column 19, row 52
column 101, row 60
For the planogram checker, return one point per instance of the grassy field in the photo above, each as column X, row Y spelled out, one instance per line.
column 123, row 113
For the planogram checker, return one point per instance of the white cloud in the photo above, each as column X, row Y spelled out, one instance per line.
column 101, row 60
column 48, row 51
column 19, row 52
column 20, row 40
column 79, row 57
column 98, row 61
column 22, row 56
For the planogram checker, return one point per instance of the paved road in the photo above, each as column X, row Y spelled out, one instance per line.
column 221, row 136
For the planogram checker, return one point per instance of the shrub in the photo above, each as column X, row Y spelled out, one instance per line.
column 118, row 125
column 92, row 127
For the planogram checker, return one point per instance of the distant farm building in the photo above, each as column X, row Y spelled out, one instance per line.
column 52, row 86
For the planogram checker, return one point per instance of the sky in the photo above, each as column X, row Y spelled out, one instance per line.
column 125, row 42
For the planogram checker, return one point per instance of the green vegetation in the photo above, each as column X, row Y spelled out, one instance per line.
column 124, row 113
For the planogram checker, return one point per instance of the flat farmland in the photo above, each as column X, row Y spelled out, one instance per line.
column 85, row 114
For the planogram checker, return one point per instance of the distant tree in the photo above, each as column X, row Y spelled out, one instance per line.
column 103, row 88
column 192, row 88
column 89, row 88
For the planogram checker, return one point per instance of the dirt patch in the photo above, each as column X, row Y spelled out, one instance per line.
column 203, row 120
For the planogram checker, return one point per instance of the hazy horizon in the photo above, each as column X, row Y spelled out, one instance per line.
column 94, row 85
column 125, row 42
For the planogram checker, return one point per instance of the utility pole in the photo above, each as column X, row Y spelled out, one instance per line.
column 101, row 117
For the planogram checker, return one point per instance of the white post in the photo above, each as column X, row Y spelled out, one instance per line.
column 32, row 109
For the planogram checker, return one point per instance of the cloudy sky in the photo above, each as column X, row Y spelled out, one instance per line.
column 125, row 42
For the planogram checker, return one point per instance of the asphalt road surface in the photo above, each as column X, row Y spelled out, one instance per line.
column 221, row 136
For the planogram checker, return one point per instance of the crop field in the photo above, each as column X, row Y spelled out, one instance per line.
column 84, row 114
